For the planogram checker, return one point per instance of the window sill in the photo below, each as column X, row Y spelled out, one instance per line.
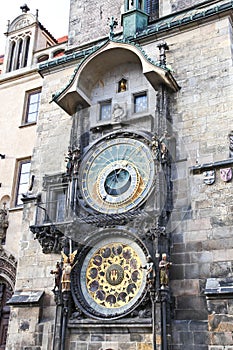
column 27, row 124
column 16, row 208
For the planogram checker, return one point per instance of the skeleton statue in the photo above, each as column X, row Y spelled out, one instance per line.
column 150, row 271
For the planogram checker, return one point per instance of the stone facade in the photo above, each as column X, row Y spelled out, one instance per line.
column 25, row 46
column 188, row 214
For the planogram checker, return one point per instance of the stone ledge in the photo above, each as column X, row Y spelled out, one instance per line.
column 29, row 298
column 219, row 288
column 200, row 168
column 124, row 325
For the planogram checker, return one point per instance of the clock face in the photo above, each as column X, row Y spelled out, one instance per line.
column 110, row 280
column 117, row 175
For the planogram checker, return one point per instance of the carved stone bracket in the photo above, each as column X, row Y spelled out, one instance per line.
column 156, row 232
column 50, row 238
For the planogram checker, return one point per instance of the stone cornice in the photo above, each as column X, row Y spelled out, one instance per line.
column 200, row 168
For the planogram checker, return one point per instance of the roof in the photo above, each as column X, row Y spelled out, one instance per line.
column 47, row 32
column 63, row 39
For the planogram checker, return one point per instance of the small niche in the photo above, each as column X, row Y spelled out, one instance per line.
column 122, row 85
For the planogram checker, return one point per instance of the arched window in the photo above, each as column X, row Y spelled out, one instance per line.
column 19, row 53
column 11, row 56
column 58, row 53
column 26, row 50
column 42, row 58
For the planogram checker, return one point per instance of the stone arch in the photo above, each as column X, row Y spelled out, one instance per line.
column 8, row 267
column 5, row 200
column 7, row 283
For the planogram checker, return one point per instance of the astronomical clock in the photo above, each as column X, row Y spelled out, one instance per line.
column 118, row 101
column 109, row 280
column 117, row 175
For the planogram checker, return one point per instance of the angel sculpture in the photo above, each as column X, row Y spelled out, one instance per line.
column 66, row 270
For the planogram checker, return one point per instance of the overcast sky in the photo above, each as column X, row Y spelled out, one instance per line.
column 53, row 14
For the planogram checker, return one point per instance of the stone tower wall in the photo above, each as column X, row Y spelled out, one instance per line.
column 201, row 222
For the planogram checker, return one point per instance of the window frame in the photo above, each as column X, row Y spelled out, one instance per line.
column 107, row 102
column 138, row 95
column 27, row 104
column 53, row 201
column 17, row 184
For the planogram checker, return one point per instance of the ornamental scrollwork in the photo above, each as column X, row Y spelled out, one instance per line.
column 50, row 238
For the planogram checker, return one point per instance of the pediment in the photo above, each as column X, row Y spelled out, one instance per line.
column 21, row 22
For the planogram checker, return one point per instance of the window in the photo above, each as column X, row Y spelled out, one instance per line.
column 105, row 110
column 58, row 53
column 27, row 45
column 18, row 52
column 32, row 103
column 23, row 178
column 57, row 204
column 42, row 58
column 11, row 56
column 140, row 102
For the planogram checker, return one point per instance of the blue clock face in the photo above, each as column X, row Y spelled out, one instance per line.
column 117, row 182
column 117, row 175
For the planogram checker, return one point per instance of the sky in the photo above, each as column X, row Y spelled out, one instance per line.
column 53, row 15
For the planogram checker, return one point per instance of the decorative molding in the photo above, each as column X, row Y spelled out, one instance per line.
column 8, row 265
column 200, row 168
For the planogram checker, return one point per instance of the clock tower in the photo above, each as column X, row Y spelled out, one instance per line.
column 130, row 196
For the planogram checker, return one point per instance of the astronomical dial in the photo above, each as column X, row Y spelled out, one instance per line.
column 117, row 175
column 110, row 281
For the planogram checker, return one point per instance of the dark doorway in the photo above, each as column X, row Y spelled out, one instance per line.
column 5, row 294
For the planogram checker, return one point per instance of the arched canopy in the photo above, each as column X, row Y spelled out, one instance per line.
column 92, row 69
